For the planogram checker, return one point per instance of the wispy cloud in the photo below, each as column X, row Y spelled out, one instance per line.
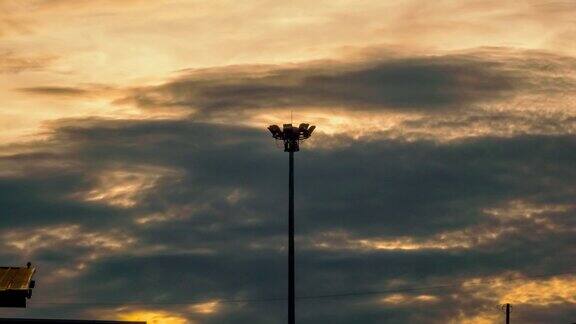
column 12, row 63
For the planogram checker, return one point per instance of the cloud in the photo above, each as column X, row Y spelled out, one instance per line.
column 11, row 63
column 153, row 317
column 75, row 92
column 206, row 219
column 59, row 91
column 81, row 4
column 425, row 84
column 374, row 93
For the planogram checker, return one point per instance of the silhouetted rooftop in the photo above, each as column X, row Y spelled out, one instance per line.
column 16, row 285
column 12, row 278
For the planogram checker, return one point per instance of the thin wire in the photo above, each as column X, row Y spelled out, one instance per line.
column 379, row 292
column 310, row 297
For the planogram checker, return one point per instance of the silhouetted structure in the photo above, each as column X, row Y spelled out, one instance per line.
column 291, row 137
column 507, row 308
column 16, row 285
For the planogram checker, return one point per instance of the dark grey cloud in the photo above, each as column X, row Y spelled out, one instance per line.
column 54, row 91
column 424, row 84
column 75, row 92
column 211, row 244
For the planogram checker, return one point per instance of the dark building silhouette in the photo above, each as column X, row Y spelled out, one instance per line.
column 16, row 285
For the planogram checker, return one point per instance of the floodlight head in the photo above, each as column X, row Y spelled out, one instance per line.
column 276, row 131
column 309, row 131
column 273, row 128
column 291, row 135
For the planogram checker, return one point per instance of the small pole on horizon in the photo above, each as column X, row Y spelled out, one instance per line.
column 291, row 136
column 507, row 308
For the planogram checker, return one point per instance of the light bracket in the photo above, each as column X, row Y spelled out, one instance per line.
column 291, row 135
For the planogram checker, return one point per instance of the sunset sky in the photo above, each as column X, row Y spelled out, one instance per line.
column 137, row 174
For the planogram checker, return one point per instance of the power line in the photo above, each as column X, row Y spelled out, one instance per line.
column 309, row 297
column 412, row 289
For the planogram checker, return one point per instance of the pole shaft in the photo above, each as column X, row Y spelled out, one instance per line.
column 291, row 296
column 507, row 313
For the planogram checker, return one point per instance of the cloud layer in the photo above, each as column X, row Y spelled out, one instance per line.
column 205, row 220
column 380, row 83
column 137, row 173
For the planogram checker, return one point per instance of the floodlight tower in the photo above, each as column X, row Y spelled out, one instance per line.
column 291, row 136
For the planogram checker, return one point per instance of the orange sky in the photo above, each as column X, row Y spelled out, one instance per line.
column 74, row 63
column 106, row 46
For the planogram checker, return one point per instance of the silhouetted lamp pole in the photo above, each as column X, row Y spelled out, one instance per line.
column 291, row 136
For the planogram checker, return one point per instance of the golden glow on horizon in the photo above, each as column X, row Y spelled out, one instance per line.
column 518, row 292
column 547, row 291
column 507, row 216
column 154, row 317
column 460, row 239
column 402, row 299
column 485, row 318
column 205, row 308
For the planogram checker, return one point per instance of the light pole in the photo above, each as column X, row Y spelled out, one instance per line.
column 291, row 136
